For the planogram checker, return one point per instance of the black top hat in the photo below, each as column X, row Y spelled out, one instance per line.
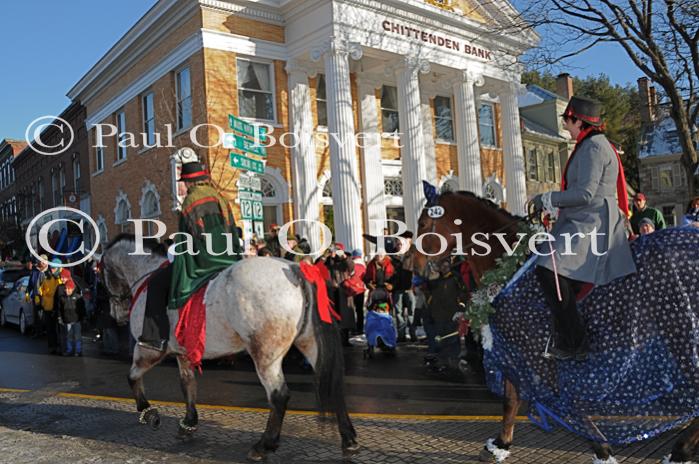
column 585, row 110
column 193, row 171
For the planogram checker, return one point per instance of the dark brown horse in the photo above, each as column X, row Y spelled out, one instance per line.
column 463, row 214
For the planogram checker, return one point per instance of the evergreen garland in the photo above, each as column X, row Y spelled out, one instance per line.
column 480, row 307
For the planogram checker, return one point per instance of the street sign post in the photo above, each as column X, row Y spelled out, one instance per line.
column 249, row 181
column 236, row 142
column 247, row 164
column 245, row 128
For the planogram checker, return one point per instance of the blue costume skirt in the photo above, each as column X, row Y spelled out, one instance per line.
column 642, row 374
column 380, row 325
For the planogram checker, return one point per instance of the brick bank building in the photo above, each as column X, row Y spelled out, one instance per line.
column 429, row 87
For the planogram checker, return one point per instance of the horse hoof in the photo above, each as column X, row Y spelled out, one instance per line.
column 256, row 456
column 493, row 453
column 185, row 431
column 150, row 416
column 351, row 450
column 486, row 456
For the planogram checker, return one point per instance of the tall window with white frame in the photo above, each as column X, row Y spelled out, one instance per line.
column 486, row 125
column 76, row 174
column 551, row 166
column 54, row 187
column 62, row 182
column 255, row 90
column 321, row 101
column 99, row 159
column 121, row 136
column 123, row 214
column 150, row 210
column 532, row 164
column 148, row 118
column 184, row 99
column 443, row 119
column 389, row 110
column 40, row 193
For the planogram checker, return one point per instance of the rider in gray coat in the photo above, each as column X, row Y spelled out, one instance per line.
column 587, row 202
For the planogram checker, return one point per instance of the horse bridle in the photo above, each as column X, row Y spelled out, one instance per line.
column 433, row 265
column 126, row 296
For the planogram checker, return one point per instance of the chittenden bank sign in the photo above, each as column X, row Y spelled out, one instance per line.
column 436, row 39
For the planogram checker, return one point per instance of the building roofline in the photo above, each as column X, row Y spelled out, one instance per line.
column 118, row 49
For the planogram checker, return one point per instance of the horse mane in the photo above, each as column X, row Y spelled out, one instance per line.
column 483, row 201
column 149, row 244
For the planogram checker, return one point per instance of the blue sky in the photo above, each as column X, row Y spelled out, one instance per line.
column 47, row 45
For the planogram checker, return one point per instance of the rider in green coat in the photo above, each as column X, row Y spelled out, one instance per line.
column 205, row 217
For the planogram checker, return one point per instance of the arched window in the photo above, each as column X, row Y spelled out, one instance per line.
column 150, row 206
column 493, row 190
column 122, row 212
column 102, row 228
column 275, row 193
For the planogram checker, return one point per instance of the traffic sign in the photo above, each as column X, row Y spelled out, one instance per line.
column 251, row 195
column 246, row 209
column 257, row 211
column 235, row 141
column 259, row 228
column 247, row 164
column 249, row 181
column 245, row 128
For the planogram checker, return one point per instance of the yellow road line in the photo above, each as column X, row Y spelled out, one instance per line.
column 13, row 390
column 266, row 410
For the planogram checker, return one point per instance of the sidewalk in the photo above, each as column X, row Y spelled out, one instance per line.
column 49, row 427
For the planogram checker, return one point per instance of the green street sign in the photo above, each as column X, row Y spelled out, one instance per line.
column 235, row 141
column 257, row 211
column 245, row 128
column 247, row 164
column 246, row 209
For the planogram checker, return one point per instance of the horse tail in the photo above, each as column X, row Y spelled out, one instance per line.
column 330, row 362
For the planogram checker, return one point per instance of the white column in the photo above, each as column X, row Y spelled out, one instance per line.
column 412, row 137
column 303, row 155
column 372, row 168
column 515, row 179
column 343, row 153
column 428, row 130
column 467, row 140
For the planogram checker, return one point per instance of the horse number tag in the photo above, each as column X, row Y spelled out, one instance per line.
column 435, row 212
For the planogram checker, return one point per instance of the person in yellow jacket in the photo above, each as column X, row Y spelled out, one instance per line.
column 46, row 294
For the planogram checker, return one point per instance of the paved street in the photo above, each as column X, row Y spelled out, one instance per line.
column 78, row 410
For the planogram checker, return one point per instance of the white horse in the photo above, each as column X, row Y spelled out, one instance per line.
column 262, row 305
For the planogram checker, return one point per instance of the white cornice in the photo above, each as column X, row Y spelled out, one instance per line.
column 179, row 54
column 259, row 11
column 243, row 45
column 422, row 13
column 202, row 39
column 133, row 34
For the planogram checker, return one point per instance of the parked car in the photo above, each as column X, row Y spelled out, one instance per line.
column 8, row 277
column 16, row 309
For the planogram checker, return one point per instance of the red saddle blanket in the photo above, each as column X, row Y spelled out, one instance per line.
column 190, row 331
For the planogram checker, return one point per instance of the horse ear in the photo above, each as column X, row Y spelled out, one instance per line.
column 430, row 193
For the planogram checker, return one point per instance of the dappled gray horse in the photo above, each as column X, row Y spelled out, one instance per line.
column 262, row 305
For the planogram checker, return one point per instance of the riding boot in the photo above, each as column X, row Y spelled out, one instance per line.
column 570, row 339
column 156, row 324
